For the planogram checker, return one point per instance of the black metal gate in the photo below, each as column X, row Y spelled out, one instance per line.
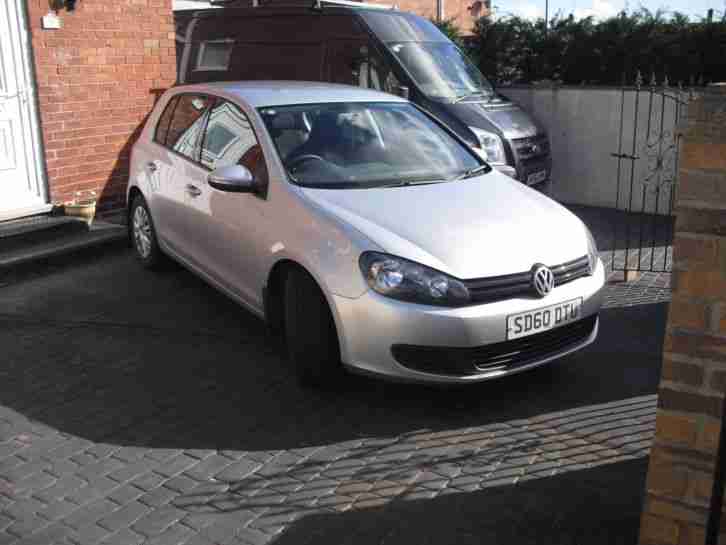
column 646, row 175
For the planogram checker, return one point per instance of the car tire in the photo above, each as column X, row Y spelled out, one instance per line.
column 310, row 332
column 142, row 235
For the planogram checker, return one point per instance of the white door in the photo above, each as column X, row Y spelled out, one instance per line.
column 22, row 188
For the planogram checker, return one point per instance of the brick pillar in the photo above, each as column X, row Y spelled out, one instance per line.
column 98, row 77
column 693, row 383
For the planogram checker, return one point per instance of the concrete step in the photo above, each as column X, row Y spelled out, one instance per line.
column 46, row 237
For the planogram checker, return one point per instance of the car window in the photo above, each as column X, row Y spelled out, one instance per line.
column 186, row 124
column 162, row 127
column 356, row 62
column 358, row 145
column 230, row 140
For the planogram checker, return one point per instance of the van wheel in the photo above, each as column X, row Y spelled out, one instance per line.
column 310, row 332
column 143, row 235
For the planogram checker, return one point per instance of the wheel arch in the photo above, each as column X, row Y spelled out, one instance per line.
column 274, row 297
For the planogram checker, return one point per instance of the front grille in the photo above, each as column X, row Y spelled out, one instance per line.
column 502, row 356
column 496, row 288
column 531, row 147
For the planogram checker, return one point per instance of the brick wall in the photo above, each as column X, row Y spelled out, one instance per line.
column 463, row 12
column 98, row 77
column 693, row 383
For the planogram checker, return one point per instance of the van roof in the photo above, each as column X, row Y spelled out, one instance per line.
column 279, row 93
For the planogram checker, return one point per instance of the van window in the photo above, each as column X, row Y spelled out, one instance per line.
column 214, row 55
column 186, row 125
column 230, row 140
column 356, row 62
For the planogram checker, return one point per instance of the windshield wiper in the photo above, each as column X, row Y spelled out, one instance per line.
column 406, row 183
column 469, row 95
column 471, row 172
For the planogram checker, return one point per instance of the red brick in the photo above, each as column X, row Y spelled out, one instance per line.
column 658, row 531
column 676, row 429
column 680, row 372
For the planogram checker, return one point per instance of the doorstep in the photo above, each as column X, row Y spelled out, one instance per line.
column 35, row 238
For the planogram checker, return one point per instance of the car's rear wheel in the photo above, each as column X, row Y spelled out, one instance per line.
column 143, row 234
column 310, row 332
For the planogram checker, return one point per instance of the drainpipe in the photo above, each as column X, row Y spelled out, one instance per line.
column 440, row 10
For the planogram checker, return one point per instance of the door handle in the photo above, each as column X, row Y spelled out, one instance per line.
column 152, row 167
column 193, row 190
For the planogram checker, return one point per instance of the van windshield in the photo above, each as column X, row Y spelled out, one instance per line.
column 360, row 145
column 441, row 70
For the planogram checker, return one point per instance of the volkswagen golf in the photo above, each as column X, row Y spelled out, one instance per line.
column 363, row 230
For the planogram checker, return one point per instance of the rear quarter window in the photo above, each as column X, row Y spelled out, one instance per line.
column 162, row 127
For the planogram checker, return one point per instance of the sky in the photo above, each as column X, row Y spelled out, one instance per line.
column 605, row 8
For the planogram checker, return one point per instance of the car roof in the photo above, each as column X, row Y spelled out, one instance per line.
column 279, row 93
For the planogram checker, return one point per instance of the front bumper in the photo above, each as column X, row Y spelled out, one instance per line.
column 370, row 325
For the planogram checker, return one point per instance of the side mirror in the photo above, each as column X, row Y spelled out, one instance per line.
column 403, row 91
column 232, row 178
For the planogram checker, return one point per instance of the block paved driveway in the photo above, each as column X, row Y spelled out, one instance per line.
column 143, row 407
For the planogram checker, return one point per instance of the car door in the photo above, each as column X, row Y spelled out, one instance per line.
column 177, row 171
column 229, row 227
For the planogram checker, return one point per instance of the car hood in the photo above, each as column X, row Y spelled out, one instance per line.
column 485, row 226
column 506, row 116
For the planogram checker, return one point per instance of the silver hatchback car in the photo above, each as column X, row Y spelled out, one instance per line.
column 362, row 229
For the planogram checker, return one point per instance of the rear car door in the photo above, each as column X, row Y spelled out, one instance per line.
column 178, row 171
column 228, row 227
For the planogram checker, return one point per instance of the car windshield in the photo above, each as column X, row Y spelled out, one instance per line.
column 441, row 70
column 360, row 145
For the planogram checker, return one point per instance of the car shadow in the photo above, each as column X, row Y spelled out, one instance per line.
column 597, row 506
column 106, row 351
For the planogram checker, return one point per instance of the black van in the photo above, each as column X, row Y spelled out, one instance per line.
column 364, row 45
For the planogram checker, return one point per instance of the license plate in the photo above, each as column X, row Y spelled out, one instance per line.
column 537, row 177
column 543, row 319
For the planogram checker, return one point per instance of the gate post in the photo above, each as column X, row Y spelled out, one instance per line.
column 683, row 500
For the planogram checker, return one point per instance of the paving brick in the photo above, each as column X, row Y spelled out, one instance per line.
column 238, row 470
column 124, row 536
column 157, row 521
column 91, row 533
column 26, row 526
column 158, row 496
column 124, row 516
column 175, row 535
column 125, row 494
column 149, row 480
column 205, row 469
column 181, row 484
column 58, row 509
column 61, row 488
column 90, row 513
column 176, row 465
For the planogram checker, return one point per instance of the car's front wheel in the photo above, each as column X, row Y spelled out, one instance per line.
column 143, row 234
column 310, row 331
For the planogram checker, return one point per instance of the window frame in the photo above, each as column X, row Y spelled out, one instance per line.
column 200, row 53
column 218, row 99
column 196, row 159
column 171, row 104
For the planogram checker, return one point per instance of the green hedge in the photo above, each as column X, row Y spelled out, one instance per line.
column 585, row 51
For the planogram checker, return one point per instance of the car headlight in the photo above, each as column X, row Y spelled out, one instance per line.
column 409, row 281
column 492, row 149
column 592, row 253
